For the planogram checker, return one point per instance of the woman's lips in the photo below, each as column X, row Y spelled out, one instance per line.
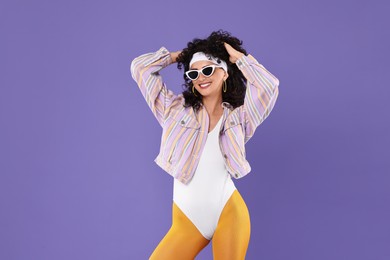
column 205, row 85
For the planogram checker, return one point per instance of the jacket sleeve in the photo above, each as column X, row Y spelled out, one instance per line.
column 261, row 93
column 145, row 71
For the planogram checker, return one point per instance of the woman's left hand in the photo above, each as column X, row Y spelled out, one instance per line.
column 234, row 55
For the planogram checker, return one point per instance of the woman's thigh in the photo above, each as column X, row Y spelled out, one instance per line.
column 231, row 237
column 182, row 241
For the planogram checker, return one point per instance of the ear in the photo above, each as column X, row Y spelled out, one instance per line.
column 226, row 76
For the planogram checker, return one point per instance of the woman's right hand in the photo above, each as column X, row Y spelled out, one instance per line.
column 174, row 55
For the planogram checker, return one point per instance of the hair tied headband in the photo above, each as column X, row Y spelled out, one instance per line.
column 201, row 56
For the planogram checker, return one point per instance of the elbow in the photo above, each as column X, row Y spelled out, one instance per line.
column 276, row 83
column 275, row 86
column 133, row 68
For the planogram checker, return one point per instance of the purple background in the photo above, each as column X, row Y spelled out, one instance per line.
column 78, row 141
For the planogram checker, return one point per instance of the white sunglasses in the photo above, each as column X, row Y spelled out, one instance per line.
column 206, row 71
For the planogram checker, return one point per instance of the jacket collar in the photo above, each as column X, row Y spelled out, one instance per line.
column 224, row 104
column 227, row 105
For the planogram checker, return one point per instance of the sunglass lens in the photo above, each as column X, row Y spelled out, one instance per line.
column 208, row 71
column 192, row 74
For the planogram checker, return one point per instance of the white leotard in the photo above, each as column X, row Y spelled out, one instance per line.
column 203, row 198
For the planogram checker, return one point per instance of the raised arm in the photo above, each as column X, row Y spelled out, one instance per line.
column 261, row 93
column 145, row 71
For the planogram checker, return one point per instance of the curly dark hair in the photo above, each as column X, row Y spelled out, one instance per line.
column 213, row 45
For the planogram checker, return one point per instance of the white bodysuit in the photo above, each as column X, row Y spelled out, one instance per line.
column 204, row 197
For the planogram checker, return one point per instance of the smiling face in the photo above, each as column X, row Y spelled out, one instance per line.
column 209, row 86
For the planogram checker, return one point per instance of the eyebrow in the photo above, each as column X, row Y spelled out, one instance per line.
column 202, row 67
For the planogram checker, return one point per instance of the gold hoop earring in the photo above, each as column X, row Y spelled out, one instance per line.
column 224, row 88
column 193, row 90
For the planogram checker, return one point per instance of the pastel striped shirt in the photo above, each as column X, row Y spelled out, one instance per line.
column 185, row 131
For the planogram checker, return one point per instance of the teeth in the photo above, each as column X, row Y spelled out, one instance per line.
column 204, row 85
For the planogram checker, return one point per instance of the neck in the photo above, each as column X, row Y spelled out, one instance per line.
column 213, row 105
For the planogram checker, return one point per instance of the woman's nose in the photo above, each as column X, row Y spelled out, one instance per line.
column 201, row 77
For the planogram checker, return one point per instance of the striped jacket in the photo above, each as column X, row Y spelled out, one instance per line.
column 185, row 131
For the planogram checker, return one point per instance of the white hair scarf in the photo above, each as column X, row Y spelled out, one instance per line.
column 201, row 56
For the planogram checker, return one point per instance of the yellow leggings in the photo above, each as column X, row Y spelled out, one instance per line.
column 230, row 241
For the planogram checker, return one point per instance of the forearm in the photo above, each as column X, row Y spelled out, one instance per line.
column 149, row 63
column 257, row 75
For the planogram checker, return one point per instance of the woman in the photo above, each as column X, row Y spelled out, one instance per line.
column 227, row 95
